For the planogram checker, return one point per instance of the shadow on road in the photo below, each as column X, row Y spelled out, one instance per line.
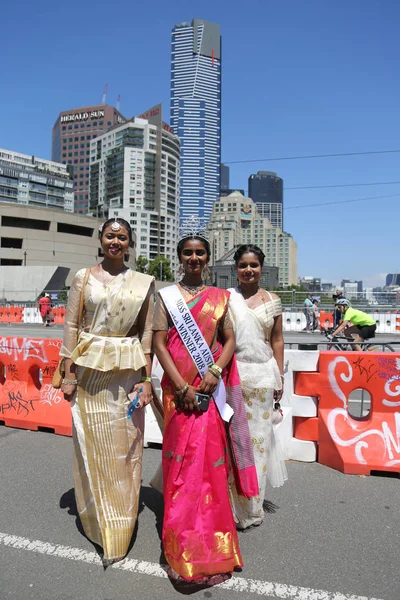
column 149, row 498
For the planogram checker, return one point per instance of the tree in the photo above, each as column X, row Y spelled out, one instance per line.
column 141, row 264
column 63, row 295
column 160, row 268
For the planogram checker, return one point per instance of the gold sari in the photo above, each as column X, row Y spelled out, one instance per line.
column 110, row 354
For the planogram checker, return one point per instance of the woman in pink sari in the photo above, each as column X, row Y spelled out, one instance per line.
column 199, row 449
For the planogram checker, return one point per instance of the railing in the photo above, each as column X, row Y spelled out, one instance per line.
column 366, row 301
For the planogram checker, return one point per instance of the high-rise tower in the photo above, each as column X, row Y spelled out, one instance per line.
column 196, row 114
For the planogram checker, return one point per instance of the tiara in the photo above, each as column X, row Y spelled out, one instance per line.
column 192, row 227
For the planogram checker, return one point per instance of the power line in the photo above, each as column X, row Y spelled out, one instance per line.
column 253, row 160
column 340, row 185
column 340, row 202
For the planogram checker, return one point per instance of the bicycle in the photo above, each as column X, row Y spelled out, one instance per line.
column 347, row 345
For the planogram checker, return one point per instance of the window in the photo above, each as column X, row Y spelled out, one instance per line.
column 11, row 242
column 25, row 223
column 10, row 262
column 74, row 229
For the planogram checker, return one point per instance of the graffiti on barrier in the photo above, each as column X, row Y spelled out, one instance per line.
column 54, row 344
column 13, row 370
column 367, row 370
column 385, row 436
column 50, row 395
column 23, row 348
column 17, row 403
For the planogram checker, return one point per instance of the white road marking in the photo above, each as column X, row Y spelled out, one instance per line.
column 235, row 584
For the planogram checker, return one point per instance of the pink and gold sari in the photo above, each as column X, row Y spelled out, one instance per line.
column 199, row 532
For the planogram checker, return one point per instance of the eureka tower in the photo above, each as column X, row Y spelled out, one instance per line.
column 196, row 114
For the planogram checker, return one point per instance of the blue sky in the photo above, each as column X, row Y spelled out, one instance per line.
column 299, row 78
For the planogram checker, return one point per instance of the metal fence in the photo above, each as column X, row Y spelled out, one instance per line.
column 378, row 302
column 291, row 299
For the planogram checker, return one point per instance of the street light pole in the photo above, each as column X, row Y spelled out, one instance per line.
column 25, row 253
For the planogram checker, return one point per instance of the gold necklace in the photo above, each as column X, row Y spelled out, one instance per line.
column 193, row 289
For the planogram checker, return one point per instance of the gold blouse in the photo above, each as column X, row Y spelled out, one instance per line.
column 117, row 322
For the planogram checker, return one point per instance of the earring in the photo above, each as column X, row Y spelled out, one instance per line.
column 180, row 273
column 127, row 257
column 206, row 274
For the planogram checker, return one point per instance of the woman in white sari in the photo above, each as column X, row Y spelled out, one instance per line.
column 257, row 318
column 107, row 357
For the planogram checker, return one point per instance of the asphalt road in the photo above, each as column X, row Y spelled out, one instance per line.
column 324, row 531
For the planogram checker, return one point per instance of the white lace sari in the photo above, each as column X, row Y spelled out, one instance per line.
column 259, row 375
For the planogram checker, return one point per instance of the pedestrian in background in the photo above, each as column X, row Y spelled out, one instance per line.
column 337, row 315
column 45, row 309
column 308, row 313
column 315, row 314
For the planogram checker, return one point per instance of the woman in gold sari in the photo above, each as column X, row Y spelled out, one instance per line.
column 107, row 358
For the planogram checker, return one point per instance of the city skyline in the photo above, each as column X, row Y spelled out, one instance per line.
column 336, row 94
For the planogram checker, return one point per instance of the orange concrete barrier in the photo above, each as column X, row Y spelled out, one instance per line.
column 27, row 398
column 59, row 315
column 325, row 320
column 305, row 428
column 355, row 445
column 16, row 314
column 4, row 314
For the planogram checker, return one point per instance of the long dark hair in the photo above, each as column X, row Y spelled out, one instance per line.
column 247, row 249
column 205, row 243
column 121, row 222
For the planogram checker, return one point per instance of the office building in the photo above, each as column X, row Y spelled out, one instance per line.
column 196, row 114
column 33, row 181
column 351, row 287
column 312, row 284
column 393, row 279
column 39, row 237
column 134, row 174
column 230, row 191
column 235, row 220
column 266, row 191
column 224, row 183
column 72, row 133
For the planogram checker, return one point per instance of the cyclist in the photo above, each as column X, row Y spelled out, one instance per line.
column 362, row 326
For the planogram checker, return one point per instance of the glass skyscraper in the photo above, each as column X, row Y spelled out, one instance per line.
column 196, row 114
column 266, row 190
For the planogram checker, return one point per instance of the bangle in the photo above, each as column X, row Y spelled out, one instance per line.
column 182, row 391
column 214, row 372
column 70, row 382
column 283, row 377
column 145, row 379
column 219, row 369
